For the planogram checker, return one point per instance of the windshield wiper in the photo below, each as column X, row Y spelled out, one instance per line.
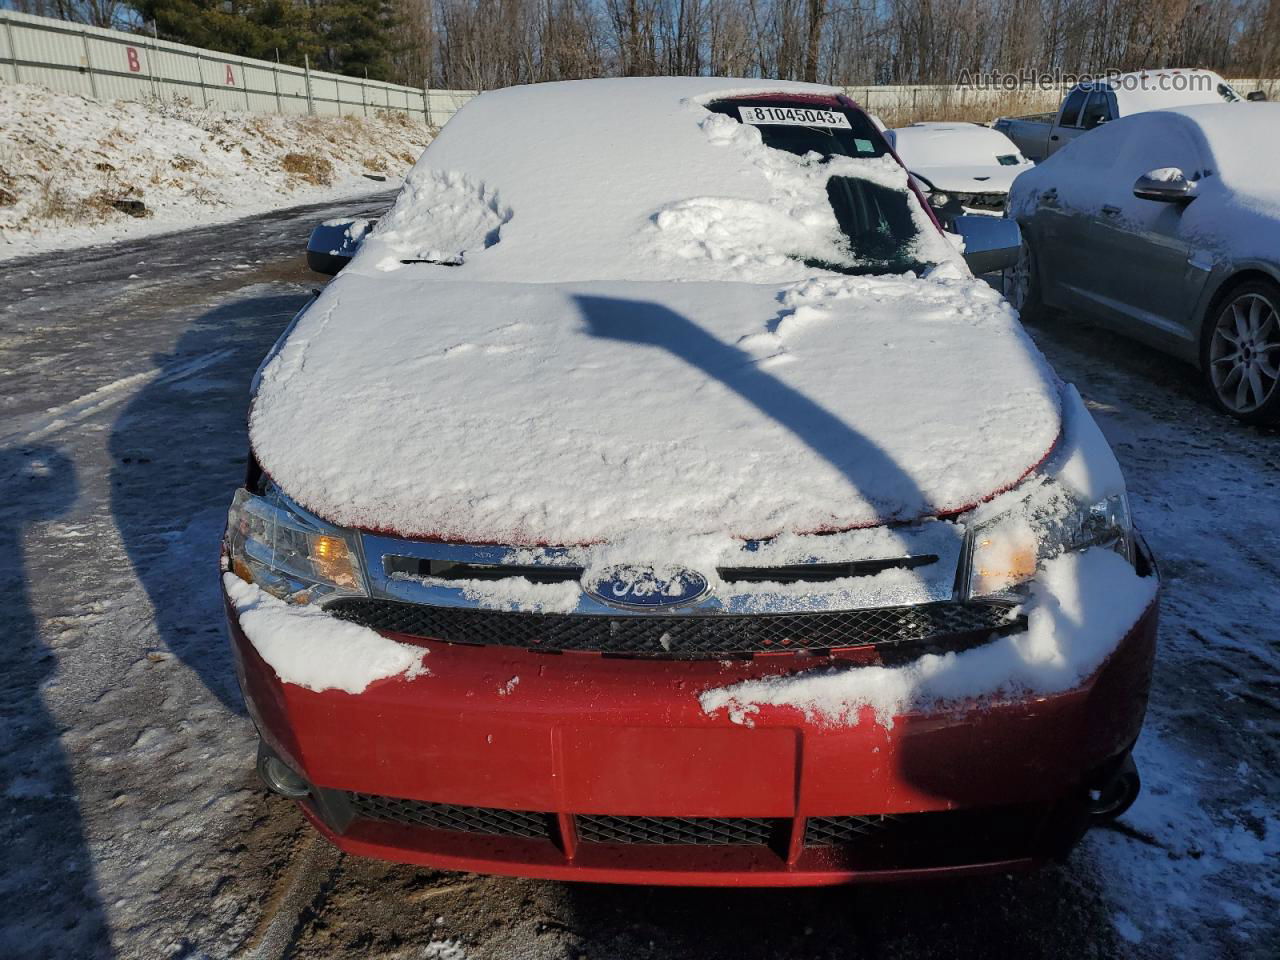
column 867, row 269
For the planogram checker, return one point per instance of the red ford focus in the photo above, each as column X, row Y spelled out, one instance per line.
column 656, row 496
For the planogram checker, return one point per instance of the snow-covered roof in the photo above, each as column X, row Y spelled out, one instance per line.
column 1159, row 89
column 963, row 157
column 1242, row 142
column 558, row 387
column 626, row 178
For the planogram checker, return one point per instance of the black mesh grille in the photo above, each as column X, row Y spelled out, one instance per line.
column 447, row 816
column 830, row 831
column 688, row 830
column 912, row 840
column 907, row 631
column 907, row 840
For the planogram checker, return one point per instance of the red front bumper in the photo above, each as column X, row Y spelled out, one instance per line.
column 589, row 740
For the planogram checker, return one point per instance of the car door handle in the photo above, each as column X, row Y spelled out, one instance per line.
column 1053, row 136
column 1110, row 211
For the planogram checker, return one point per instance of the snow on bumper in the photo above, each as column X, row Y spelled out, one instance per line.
column 1081, row 606
column 305, row 646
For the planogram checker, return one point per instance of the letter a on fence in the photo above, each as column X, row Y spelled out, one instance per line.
column 231, row 76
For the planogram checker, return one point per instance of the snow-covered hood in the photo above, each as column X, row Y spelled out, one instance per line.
column 971, row 179
column 544, row 413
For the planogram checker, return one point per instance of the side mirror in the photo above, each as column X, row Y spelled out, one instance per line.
column 1256, row 96
column 1165, row 185
column 334, row 243
column 991, row 244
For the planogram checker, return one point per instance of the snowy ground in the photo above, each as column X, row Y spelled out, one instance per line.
column 132, row 822
column 65, row 159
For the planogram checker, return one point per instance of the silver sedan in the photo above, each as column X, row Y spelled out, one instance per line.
column 1166, row 227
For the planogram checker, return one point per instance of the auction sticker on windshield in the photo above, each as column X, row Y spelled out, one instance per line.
column 793, row 116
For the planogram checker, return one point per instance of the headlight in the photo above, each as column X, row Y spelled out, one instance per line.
column 273, row 542
column 1006, row 552
column 939, row 200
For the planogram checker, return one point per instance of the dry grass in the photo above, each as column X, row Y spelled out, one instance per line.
column 906, row 106
column 395, row 117
column 55, row 204
column 67, row 163
column 312, row 168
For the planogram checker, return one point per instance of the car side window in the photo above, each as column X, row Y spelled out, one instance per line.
column 1071, row 109
column 1156, row 142
column 1097, row 110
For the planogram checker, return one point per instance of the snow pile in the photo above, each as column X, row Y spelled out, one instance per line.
column 751, row 238
column 1080, row 607
column 68, row 164
column 307, row 647
column 618, row 179
column 440, row 217
column 559, row 414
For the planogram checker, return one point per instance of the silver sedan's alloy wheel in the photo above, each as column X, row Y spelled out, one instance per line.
column 1244, row 354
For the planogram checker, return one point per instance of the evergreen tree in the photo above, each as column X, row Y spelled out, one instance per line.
column 350, row 37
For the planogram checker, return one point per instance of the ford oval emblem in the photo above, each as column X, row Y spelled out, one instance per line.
column 645, row 588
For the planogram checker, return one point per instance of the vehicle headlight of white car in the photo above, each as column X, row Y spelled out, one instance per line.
column 1006, row 551
column 289, row 553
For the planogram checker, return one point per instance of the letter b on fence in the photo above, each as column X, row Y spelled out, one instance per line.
column 131, row 53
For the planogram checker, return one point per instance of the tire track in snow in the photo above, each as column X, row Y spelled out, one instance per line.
column 108, row 395
column 301, row 885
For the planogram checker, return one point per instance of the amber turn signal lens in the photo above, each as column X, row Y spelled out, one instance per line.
column 332, row 560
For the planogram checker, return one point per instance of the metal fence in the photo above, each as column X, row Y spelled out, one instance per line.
column 907, row 103
column 112, row 65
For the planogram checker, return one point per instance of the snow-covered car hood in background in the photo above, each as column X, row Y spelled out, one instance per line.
column 536, row 413
column 959, row 157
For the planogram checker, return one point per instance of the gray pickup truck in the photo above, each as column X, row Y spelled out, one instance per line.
column 1091, row 103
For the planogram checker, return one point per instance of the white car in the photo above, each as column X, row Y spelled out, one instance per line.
column 965, row 167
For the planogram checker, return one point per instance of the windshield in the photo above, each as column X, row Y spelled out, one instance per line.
column 880, row 234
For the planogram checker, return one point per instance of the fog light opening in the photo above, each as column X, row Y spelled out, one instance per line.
column 279, row 778
column 1116, row 795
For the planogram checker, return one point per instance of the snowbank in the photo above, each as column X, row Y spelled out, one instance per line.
column 65, row 160
column 307, row 647
column 1081, row 606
